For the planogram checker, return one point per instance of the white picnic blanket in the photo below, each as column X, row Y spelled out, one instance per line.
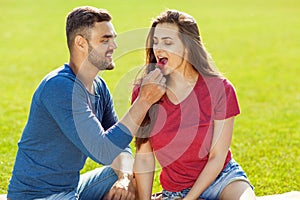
column 294, row 195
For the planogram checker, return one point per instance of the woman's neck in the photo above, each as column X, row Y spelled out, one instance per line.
column 180, row 84
column 186, row 75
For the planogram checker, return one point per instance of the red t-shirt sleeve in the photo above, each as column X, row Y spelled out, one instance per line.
column 226, row 103
column 135, row 93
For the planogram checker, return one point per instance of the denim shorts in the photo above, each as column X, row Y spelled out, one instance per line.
column 61, row 196
column 92, row 185
column 232, row 172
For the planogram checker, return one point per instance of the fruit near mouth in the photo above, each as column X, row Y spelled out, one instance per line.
column 162, row 62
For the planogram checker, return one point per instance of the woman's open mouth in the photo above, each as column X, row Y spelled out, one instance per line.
column 162, row 61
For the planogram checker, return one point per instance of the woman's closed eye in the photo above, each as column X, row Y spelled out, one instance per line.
column 168, row 42
column 165, row 42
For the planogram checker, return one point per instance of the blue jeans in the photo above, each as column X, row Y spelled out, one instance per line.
column 92, row 185
column 232, row 172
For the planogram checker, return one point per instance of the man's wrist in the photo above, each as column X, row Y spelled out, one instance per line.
column 125, row 175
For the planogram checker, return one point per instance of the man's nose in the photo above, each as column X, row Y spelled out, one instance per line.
column 113, row 44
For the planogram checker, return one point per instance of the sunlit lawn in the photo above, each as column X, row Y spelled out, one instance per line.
column 255, row 43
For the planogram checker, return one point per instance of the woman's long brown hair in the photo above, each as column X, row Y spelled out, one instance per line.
column 197, row 56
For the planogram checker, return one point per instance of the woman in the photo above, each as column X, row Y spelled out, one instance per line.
column 190, row 129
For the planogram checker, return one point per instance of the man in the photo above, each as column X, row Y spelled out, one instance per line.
column 72, row 118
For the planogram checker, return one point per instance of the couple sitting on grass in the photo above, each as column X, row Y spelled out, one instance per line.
column 182, row 113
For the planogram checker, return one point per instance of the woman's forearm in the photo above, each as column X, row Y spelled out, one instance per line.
column 144, row 167
column 217, row 156
column 207, row 176
column 144, row 182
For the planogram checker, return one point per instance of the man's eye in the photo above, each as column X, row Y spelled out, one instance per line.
column 105, row 41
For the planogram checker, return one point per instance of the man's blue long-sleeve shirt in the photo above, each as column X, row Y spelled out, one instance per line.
column 66, row 125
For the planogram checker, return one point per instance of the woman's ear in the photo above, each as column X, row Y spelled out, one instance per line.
column 80, row 43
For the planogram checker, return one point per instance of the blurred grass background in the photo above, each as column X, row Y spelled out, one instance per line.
column 255, row 43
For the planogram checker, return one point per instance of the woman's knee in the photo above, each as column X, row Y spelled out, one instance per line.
column 238, row 190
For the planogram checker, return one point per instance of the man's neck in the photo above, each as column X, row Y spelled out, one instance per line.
column 85, row 72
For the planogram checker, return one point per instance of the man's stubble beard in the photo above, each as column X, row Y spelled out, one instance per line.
column 99, row 62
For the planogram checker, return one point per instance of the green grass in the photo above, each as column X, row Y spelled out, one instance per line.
column 255, row 43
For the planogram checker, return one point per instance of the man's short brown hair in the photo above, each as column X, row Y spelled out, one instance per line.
column 81, row 20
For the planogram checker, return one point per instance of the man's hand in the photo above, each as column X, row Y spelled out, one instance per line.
column 123, row 189
column 153, row 87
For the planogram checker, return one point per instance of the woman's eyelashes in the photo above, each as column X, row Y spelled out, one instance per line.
column 164, row 42
column 168, row 42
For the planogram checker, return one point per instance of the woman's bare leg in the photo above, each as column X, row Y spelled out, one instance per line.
column 238, row 190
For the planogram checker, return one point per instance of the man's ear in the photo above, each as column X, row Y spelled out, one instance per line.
column 80, row 43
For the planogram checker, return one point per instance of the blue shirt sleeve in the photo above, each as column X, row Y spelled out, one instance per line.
column 109, row 116
column 68, row 103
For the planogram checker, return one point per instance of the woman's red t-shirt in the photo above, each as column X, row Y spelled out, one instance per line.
column 182, row 134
